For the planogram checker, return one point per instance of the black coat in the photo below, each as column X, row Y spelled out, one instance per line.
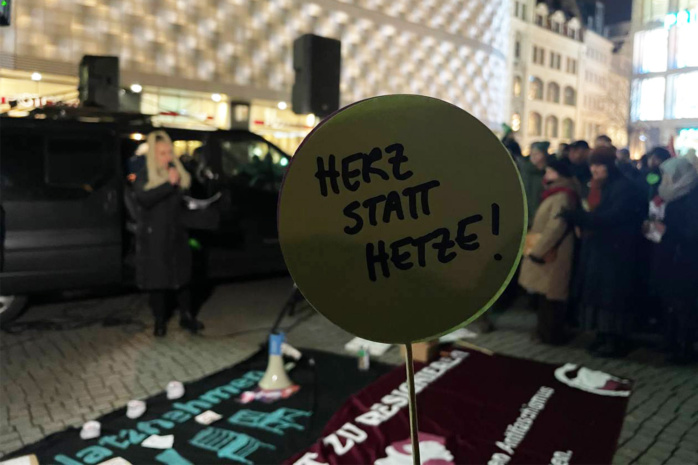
column 582, row 173
column 675, row 261
column 163, row 256
column 611, row 236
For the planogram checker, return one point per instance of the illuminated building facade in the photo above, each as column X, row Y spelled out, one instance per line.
column 567, row 82
column 191, row 59
column 665, row 75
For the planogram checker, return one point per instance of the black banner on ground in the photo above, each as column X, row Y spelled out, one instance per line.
column 478, row 408
column 249, row 433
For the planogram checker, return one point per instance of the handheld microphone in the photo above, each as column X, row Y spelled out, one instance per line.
column 171, row 165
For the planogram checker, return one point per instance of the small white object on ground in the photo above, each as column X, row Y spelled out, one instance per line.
column 208, row 417
column 23, row 460
column 159, row 442
column 90, row 430
column 116, row 461
column 135, row 408
column 175, row 390
column 375, row 349
column 463, row 333
column 290, row 351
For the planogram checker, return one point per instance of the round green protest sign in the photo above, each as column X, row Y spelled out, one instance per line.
column 401, row 218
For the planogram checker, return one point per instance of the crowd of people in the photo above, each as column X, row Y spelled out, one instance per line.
column 612, row 245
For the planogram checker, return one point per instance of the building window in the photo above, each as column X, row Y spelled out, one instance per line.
column 517, row 49
column 518, row 84
column 686, row 40
column 570, row 96
column 523, row 11
column 539, row 20
column 539, row 55
column 688, row 4
column 556, row 27
column 568, row 128
column 654, row 10
column 517, row 7
column 650, row 54
column 535, row 88
column 551, row 128
column 553, row 92
column 571, row 66
column 534, row 124
column 685, row 97
column 648, row 99
column 515, row 122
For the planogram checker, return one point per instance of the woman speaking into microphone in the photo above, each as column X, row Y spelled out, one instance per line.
column 163, row 257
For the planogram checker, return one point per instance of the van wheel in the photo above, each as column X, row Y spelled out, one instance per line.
column 11, row 306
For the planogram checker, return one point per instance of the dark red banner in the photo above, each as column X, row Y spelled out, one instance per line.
column 478, row 408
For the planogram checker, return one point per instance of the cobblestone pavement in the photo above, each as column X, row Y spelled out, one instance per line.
column 53, row 379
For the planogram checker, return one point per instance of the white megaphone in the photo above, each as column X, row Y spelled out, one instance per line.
column 275, row 376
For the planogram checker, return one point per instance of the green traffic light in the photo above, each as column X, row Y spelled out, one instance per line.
column 4, row 2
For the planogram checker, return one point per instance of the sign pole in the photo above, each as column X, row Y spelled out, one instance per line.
column 414, row 430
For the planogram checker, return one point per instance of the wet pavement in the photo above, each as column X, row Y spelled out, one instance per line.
column 67, row 374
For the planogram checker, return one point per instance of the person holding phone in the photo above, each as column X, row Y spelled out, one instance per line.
column 163, row 256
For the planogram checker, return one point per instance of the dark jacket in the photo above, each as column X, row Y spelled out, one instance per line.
column 582, row 173
column 532, row 179
column 611, row 236
column 629, row 171
column 650, row 189
column 163, row 256
column 675, row 261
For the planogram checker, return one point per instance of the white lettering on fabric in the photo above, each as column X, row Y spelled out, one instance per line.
column 516, row 432
column 391, row 404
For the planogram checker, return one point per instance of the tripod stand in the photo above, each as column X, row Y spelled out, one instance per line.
column 289, row 308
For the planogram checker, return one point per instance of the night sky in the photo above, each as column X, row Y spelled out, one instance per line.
column 618, row 10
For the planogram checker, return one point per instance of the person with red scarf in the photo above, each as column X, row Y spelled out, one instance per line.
column 549, row 250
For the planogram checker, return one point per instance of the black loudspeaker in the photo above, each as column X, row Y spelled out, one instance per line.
column 317, row 62
column 99, row 82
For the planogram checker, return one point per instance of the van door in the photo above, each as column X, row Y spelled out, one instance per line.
column 60, row 195
column 250, row 173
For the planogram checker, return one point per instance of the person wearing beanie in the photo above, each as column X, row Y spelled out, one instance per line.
column 532, row 169
column 577, row 157
column 611, row 235
column 547, row 265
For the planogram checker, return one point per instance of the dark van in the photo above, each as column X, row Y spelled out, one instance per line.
column 64, row 214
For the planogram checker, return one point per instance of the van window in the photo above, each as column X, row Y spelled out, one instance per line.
column 253, row 162
column 39, row 167
column 74, row 162
column 22, row 166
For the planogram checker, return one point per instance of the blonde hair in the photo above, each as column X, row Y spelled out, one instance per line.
column 157, row 175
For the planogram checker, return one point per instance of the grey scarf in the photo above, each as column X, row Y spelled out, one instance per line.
column 679, row 177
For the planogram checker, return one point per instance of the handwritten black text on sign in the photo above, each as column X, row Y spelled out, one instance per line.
column 361, row 168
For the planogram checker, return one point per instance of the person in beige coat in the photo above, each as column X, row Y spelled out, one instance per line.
column 549, row 250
